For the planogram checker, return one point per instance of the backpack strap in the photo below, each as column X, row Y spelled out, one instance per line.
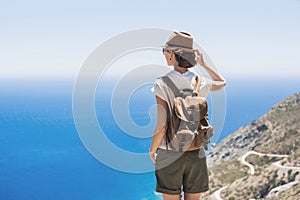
column 175, row 89
column 196, row 86
column 171, row 85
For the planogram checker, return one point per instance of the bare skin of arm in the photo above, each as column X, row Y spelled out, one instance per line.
column 161, row 127
column 218, row 81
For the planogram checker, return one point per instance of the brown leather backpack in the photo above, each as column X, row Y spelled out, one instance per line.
column 188, row 124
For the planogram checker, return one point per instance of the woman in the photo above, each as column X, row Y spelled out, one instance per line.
column 187, row 172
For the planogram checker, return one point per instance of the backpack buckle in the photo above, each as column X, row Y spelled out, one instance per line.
column 181, row 145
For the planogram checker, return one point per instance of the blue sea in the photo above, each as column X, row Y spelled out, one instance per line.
column 43, row 157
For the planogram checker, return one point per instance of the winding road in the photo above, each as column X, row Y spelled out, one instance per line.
column 218, row 192
column 251, row 167
column 278, row 189
column 274, row 191
column 277, row 164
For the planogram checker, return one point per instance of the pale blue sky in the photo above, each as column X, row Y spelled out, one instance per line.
column 258, row 38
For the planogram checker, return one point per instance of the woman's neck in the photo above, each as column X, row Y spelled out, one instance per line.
column 181, row 70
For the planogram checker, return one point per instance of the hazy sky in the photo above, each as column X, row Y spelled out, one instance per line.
column 243, row 38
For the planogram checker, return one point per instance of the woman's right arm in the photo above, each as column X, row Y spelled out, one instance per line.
column 218, row 81
column 161, row 127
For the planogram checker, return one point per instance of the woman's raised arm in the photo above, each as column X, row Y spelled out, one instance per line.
column 218, row 82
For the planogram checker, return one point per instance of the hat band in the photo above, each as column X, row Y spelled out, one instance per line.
column 175, row 45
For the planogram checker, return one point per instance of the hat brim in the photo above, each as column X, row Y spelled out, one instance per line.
column 179, row 48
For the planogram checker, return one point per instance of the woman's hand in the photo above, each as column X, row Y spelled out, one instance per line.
column 153, row 156
column 199, row 58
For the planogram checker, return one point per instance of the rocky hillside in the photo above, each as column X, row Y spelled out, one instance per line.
column 260, row 160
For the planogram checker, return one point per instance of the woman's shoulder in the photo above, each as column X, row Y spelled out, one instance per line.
column 159, row 83
column 159, row 79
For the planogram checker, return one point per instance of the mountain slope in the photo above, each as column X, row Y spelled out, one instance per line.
column 261, row 156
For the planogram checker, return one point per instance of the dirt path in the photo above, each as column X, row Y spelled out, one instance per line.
column 251, row 167
column 277, row 190
column 277, row 164
column 216, row 194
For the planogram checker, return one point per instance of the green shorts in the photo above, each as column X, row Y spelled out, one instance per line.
column 187, row 170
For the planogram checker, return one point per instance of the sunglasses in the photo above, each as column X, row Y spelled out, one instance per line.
column 164, row 50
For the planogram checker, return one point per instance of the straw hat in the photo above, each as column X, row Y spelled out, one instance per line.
column 181, row 41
